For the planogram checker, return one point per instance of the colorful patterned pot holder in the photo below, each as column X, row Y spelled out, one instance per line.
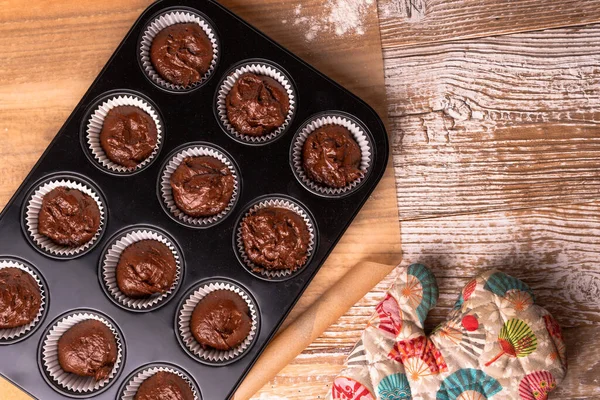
column 496, row 344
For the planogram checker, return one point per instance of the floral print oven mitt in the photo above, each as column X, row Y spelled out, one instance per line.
column 496, row 344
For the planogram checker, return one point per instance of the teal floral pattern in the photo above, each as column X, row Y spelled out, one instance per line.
column 394, row 387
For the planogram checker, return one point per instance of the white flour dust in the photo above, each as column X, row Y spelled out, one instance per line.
column 338, row 16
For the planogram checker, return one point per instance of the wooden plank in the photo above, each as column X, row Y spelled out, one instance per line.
column 410, row 22
column 496, row 123
column 8, row 391
column 553, row 249
column 532, row 112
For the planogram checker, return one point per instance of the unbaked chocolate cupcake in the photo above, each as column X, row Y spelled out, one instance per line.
column 129, row 136
column 20, row 298
column 182, row 53
column 81, row 353
column 179, row 50
column 158, row 381
column 202, row 186
column 199, row 185
column 221, row 320
column 331, row 157
column 124, row 133
column 88, row 349
column 164, row 385
column 141, row 267
column 146, row 268
column 23, row 300
column 68, row 217
column 275, row 239
column 256, row 102
column 217, row 322
column 257, row 105
column 331, row 154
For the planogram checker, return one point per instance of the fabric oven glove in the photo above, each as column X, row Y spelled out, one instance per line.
column 496, row 344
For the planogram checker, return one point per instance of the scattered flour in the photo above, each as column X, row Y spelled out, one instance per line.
column 338, row 16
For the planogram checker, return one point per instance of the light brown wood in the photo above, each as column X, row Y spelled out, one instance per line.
column 496, row 123
column 59, row 47
column 410, row 22
column 10, row 392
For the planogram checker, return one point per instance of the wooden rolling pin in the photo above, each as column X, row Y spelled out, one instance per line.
column 311, row 324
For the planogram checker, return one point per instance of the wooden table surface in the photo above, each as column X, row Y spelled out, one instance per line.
column 494, row 107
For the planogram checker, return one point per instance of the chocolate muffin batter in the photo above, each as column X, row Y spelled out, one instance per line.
column 145, row 268
column 182, row 53
column 202, row 186
column 164, row 386
column 20, row 298
column 276, row 238
column 88, row 349
column 332, row 157
column 221, row 320
column 257, row 105
column 128, row 136
column 68, row 217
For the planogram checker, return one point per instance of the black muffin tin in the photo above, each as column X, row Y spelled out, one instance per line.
column 208, row 254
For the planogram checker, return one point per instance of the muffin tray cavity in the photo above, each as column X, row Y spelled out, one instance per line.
column 137, row 204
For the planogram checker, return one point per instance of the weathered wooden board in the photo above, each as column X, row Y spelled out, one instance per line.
column 496, row 123
column 409, row 22
column 553, row 249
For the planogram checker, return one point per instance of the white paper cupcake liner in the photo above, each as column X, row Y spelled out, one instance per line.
column 185, row 316
column 14, row 333
column 161, row 22
column 257, row 68
column 279, row 203
column 111, row 260
column 167, row 192
column 96, row 122
column 360, row 136
column 68, row 381
column 136, row 381
column 34, row 206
